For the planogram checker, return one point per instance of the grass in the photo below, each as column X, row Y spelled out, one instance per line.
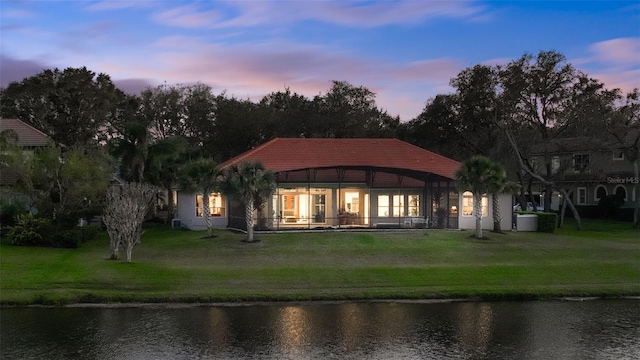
column 182, row 266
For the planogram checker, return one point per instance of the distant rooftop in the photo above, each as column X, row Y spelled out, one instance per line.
column 28, row 136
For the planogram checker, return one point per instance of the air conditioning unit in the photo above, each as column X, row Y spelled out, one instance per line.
column 176, row 223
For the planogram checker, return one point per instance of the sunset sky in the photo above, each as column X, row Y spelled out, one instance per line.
column 404, row 51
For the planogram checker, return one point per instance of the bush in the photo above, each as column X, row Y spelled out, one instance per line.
column 547, row 222
column 609, row 206
column 69, row 239
column 88, row 232
column 29, row 231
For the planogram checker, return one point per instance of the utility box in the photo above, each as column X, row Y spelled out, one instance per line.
column 526, row 222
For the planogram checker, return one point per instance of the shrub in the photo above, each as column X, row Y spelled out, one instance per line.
column 69, row 239
column 547, row 222
column 29, row 231
column 88, row 232
column 609, row 206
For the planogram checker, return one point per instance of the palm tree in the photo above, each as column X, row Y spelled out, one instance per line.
column 480, row 175
column 249, row 183
column 166, row 156
column 132, row 150
column 202, row 175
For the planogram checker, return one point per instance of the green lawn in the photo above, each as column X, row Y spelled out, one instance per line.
column 181, row 266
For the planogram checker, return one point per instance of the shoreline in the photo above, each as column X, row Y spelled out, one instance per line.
column 185, row 305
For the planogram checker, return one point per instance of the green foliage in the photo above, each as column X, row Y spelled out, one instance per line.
column 609, row 205
column 66, row 185
column 87, row 233
column 70, row 105
column 68, row 239
column 29, row 230
column 547, row 222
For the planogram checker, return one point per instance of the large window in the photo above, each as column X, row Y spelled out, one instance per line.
column 467, row 204
column 398, row 205
column 383, row 205
column 581, row 163
column 414, row 205
column 216, row 205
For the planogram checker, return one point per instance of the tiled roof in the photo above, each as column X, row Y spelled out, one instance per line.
column 28, row 136
column 287, row 154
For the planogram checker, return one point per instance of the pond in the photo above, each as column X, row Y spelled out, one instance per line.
column 599, row 329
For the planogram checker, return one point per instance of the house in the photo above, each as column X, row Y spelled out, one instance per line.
column 589, row 169
column 24, row 136
column 348, row 183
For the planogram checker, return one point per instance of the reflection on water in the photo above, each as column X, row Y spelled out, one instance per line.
column 460, row 330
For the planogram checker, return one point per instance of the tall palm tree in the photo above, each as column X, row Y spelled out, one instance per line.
column 202, row 175
column 480, row 175
column 249, row 183
column 132, row 150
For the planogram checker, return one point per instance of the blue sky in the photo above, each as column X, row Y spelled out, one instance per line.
column 404, row 51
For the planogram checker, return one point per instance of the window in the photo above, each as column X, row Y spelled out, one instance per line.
column 414, row 205
column 582, row 196
column 398, row 205
column 555, row 164
column 383, row 205
column 601, row 192
column 467, row 204
column 618, row 155
column 580, row 163
column 318, row 202
column 216, row 205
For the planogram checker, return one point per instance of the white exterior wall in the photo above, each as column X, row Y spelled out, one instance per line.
column 186, row 212
column 506, row 211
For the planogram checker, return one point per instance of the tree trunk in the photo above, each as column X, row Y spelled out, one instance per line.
column 497, row 217
column 636, row 187
column 543, row 180
column 206, row 212
column 130, row 245
column 563, row 210
column 171, row 208
column 248, row 214
column 477, row 208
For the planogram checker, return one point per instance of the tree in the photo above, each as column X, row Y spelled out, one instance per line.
column 480, row 175
column 536, row 94
column 163, row 166
column 202, row 175
column 70, row 106
column 126, row 207
column 622, row 123
column 248, row 183
column 132, row 150
column 347, row 111
column 66, row 185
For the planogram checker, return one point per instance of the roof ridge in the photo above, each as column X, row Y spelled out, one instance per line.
column 246, row 154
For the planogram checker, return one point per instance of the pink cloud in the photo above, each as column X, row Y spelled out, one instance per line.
column 618, row 51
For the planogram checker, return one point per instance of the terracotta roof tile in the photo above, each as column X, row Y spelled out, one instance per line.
column 287, row 154
column 28, row 136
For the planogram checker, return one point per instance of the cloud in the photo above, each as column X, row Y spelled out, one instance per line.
column 359, row 14
column 616, row 62
column 15, row 70
column 188, row 16
column 620, row 51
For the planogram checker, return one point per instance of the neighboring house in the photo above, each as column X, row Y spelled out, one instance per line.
column 589, row 169
column 26, row 137
column 338, row 183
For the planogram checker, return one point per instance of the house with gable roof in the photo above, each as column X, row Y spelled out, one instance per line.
column 348, row 183
column 24, row 136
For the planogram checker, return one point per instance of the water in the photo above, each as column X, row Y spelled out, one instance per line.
column 603, row 329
